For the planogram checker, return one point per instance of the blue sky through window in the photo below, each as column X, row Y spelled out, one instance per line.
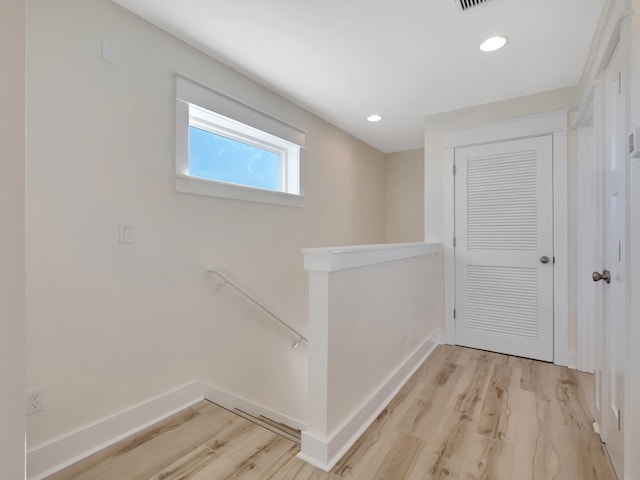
column 220, row 158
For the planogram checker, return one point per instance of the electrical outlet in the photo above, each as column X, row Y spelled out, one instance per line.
column 34, row 399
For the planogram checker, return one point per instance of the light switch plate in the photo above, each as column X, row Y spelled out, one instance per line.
column 126, row 233
column 109, row 52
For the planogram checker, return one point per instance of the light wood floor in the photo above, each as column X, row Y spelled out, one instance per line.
column 465, row 414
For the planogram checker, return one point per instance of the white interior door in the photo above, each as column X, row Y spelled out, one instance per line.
column 613, row 276
column 504, row 247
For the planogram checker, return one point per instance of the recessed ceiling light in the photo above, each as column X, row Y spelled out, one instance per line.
column 374, row 118
column 493, row 43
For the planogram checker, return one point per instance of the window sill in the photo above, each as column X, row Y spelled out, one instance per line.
column 201, row 186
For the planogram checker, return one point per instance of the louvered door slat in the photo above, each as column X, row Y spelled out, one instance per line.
column 503, row 225
column 510, row 182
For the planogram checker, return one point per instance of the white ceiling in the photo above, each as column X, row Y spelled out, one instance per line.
column 404, row 59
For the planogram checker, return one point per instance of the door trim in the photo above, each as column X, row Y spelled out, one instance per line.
column 614, row 31
column 555, row 124
column 589, row 248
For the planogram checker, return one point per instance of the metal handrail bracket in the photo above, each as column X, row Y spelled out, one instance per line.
column 226, row 281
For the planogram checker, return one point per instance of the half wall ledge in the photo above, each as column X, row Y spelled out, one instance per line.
column 331, row 259
column 374, row 317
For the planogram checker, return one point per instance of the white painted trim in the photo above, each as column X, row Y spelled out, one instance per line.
column 231, row 401
column 437, row 337
column 206, row 96
column 587, row 213
column 613, row 29
column 448, row 223
column 555, row 123
column 599, row 167
column 202, row 186
column 604, row 42
column 325, row 453
column 44, row 460
column 192, row 92
column 332, row 259
column 560, row 249
column 616, row 28
column 530, row 126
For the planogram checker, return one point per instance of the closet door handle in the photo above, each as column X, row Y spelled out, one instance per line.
column 605, row 275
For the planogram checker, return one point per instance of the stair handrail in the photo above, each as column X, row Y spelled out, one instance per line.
column 226, row 281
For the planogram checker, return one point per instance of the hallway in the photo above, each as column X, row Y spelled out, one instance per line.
column 465, row 414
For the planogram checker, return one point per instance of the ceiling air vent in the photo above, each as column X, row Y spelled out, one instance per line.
column 467, row 4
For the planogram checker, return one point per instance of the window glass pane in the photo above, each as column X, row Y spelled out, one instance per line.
column 216, row 157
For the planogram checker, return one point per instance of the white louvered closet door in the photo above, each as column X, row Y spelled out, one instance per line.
column 503, row 229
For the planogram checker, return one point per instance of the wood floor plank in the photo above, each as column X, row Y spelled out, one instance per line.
column 587, row 382
column 140, row 455
column 592, row 458
column 530, row 372
column 496, row 410
column 572, row 402
column 233, row 435
column 369, row 450
column 462, row 356
column 522, row 447
column 468, row 401
column 452, row 441
column 453, row 448
column 207, row 408
column 424, row 416
column 486, row 459
column 251, row 462
column 292, row 468
column 188, row 466
column 400, row 459
column 465, row 414
column 547, row 462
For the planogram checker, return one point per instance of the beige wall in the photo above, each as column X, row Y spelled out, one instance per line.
column 436, row 125
column 12, row 153
column 404, row 187
column 111, row 325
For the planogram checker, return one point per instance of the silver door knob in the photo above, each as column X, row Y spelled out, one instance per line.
column 605, row 275
column 545, row 259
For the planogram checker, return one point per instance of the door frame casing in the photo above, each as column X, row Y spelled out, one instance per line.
column 589, row 249
column 555, row 124
column 613, row 31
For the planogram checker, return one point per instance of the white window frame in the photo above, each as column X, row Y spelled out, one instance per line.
column 204, row 108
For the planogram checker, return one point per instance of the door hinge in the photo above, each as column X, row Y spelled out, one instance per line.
column 554, row 259
column 454, row 313
column 619, row 420
column 619, row 252
column 455, row 170
column 455, row 242
column 619, row 83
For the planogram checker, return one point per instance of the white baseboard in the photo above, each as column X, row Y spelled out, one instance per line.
column 438, row 337
column 573, row 360
column 324, row 453
column 44, row 460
